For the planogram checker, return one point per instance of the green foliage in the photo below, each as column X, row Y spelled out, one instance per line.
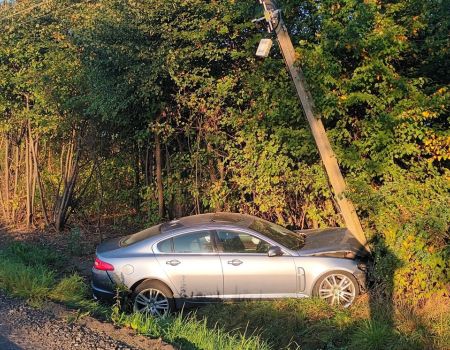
column 283, row 324
column 389, row 124
column 187, row 332
column 70, row 288
column 74, row 292
column 27, row 271
column 232, row 133
column 411, row 250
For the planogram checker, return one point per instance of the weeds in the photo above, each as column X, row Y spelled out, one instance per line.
column 185, row 331
column 32, row 283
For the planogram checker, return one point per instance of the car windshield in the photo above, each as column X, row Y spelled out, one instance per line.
column 140, row 236
column 279, row 234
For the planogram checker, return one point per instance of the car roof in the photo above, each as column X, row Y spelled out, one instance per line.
column 235, row 219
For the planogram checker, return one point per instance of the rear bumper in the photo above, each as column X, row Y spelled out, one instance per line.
column 101, row 294
column 102, row 285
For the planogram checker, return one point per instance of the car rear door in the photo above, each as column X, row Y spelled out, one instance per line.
column 249, row 272
column 192, row 264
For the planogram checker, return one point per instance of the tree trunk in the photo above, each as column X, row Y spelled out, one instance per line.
column 6, row 172
column 28, row 217
column 212, row 172
column 69, row 175
column 137, row 178
column 148, row 165
column 30, row 169
column 100, row 191
column 159, row 180
column 34, row 146
column 19, row 151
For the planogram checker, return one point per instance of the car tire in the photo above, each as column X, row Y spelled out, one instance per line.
column 337, row 288
column 153, row 298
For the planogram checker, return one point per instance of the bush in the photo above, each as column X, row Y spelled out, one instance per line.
column 412, row 256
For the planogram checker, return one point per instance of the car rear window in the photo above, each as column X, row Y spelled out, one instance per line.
column 140, row 236
column 166, row 246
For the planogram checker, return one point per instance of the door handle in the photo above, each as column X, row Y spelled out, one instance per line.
column 235, row 262
column 173, row 262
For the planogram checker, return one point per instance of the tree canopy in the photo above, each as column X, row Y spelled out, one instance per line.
column 157, row 109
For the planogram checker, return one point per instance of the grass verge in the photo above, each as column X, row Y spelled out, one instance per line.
column 30, row 272
column 313, row 324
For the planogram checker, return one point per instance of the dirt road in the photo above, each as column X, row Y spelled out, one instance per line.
column 50, row 328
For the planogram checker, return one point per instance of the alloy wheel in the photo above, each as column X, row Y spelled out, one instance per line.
column 151, row 301
column 338, row 289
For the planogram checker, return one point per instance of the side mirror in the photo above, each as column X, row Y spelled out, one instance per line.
column 274, row 251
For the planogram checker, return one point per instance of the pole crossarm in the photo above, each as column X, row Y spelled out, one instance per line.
column 348, row 212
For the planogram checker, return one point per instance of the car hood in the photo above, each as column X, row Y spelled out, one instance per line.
column 336, row 242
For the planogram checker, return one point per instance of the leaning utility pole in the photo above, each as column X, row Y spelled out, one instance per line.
column 275, row 24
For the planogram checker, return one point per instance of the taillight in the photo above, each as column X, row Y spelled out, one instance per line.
column 103, row 266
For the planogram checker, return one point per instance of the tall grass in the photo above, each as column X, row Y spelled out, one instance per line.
column 75, row 293
column 313, row 324
column 29, row 272
column 188, row 332
column 30, row 282
column 289, row 323
column 33, row 255
column 373, row 335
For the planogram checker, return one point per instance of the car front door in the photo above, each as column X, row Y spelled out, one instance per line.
column 249, row 272
column 192, row 265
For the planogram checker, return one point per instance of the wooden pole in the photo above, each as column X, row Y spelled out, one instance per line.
column 323, row 144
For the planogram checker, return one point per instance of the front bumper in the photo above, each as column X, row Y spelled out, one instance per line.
column 361, row 277
column 102, row 285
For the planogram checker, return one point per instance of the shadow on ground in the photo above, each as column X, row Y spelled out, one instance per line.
column 6, row 344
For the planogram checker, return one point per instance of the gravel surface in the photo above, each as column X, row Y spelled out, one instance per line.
column 23, row 327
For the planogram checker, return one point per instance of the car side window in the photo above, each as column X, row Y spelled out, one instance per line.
column 195, row 242
column 240, row 242
column 165, row 246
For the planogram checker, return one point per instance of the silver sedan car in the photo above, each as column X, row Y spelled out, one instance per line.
column 219, row 256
